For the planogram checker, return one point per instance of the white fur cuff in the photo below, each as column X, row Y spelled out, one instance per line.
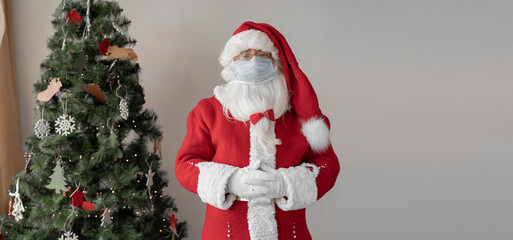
column 301, row 187
column 212, row 181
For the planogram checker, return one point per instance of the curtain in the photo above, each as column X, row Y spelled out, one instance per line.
column 11, row 158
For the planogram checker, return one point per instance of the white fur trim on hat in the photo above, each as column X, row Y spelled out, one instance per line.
column 249, row 39
column 212, row 182
column 317, row 134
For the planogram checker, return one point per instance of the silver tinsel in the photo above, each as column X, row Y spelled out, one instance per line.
column 65, row 125
column 116, row 26
column 123, row 108
column 42, row 129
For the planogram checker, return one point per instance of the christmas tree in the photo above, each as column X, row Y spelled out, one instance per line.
column 90, row 173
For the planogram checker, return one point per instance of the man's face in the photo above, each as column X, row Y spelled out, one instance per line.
column 250, row 53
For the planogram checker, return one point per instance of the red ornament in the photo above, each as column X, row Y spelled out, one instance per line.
column 64, row 193
column 173, row 222
column 77, row 198
column 73, row 17
column 88, row 206
column 0, row 236
column 104, row 45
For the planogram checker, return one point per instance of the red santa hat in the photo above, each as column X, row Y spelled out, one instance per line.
column 264, row 37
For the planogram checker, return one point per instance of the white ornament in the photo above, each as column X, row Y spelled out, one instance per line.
column 17, row 208
column 149, row 175
column 68, row 236
column 42, row 129
column 123, row 108
column 65, row 125
column 106, row 218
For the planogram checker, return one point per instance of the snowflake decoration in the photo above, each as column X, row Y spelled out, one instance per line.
column 123, row 108
column 68, row 236
column 42, row 129
column 65, row 125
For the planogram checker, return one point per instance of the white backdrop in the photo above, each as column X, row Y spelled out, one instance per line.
column 419, row 94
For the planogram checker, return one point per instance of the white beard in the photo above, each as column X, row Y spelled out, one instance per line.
column 241, row 100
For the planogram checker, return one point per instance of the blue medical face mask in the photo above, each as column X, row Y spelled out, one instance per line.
column 255, row 70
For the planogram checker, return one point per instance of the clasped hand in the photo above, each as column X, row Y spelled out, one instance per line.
column 252, row 183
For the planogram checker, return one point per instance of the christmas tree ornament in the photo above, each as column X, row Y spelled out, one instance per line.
column 17, row 207
column 123, row 108
column 114, row 142
column 42, row 129
column 123, row 103
column 53, row 88
column 65, row 124
column 149, row 175
column 104, row 45
column 106, row 218
column 157, row 145
column 58, row 181
column 96, row 92
column 73, row 18
column 173, row 220
column 77, row 198
column 87, row 206
column 68, row 236
column 116, row 52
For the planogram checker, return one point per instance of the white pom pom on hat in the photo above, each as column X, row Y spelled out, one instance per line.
column 262, row 36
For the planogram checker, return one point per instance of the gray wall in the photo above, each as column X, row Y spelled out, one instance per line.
column 419, row 94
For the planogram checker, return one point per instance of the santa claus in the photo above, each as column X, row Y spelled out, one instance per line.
column 258, row 151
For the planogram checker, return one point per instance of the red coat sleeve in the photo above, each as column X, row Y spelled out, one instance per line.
column 329, row 168
column 309, row 181
column 197, row 147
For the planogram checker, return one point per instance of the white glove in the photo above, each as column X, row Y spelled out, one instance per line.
column 249, row 183
column 276, row 186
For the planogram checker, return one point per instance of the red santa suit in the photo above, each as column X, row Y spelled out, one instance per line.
column 216, row 146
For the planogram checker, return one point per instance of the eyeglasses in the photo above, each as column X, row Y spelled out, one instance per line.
column 246, row 55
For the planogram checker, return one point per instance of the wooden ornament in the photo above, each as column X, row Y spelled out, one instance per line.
column 53, row 88
column 96, row 92
column 88, row 206
column 116, row 52
column 77, row 198
column 157, row 145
